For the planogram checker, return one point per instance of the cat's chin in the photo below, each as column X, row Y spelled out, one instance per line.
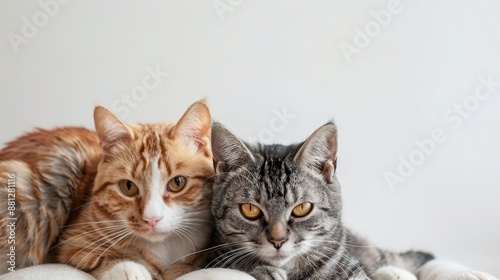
column 279, row 259
column 154, row 236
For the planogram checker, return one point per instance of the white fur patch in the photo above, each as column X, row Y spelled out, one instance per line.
column 155, row 205
column 286, row 252
column 180, row 245
column 126, row 270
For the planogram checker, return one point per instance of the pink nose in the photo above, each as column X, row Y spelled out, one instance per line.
column 152, row 221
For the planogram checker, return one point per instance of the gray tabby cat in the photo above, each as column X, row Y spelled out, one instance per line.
column 278, row 214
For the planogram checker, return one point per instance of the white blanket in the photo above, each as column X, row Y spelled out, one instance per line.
column 433, row 270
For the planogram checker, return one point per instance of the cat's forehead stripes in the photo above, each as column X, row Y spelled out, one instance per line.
column 275, row 174
column 152, row 141
column 152, row 144
column 273, row 178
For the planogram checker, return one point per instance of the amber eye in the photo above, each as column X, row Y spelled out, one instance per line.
column 128, row 188
column 177, row 184
column 302, row 210
column 250, row 211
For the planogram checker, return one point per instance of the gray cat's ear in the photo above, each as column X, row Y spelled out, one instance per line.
column 228, row 150
column 319, row 152
column 110, row 129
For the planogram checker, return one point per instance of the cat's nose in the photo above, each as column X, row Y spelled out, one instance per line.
column 152, row 221
column 277, row 243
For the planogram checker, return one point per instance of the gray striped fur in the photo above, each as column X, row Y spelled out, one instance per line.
column 276, row 178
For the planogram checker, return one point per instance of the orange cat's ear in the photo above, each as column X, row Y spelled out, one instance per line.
column 110, row 129
column 195, row 125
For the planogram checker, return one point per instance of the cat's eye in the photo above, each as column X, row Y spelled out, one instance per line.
column 177, row 184
column 250, row 211
column 302, row 210
column 128, row 188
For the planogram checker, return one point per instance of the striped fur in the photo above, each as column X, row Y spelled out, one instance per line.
column 276, row 179
column 52, row 169
column 70, row 199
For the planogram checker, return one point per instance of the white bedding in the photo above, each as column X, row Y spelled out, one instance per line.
column 433, row 270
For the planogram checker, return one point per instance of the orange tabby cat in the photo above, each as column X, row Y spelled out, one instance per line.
column 144, row 206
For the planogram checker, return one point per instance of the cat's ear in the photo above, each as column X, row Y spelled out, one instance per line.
column 194, row 126
column 319, row 152
column 110, row 129
column 228, row 150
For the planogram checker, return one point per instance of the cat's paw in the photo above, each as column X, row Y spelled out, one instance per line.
column 471, row 275
column 393, row 273
column 266, row 272
column 126, row 270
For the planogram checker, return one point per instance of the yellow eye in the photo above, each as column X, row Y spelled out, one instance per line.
column 302, row 210
column 250, row 211
column 128, row 188
column 177, row 184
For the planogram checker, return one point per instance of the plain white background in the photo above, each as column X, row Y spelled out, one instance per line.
column 255, row 60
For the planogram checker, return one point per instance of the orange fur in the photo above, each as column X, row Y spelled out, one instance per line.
column 106, row 226
column 52, row 167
